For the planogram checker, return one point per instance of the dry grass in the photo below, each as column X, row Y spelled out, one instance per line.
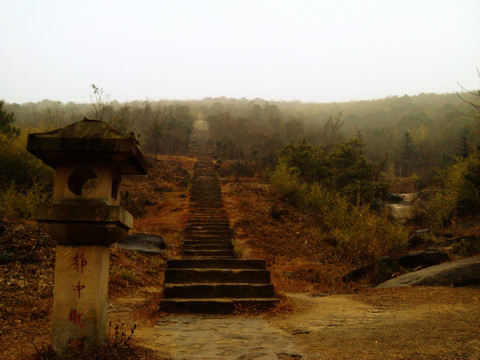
column 297, row 252
column 150, row 310
column 117, row 345
column 430, row 323
column 408, row 297
column 26, row 286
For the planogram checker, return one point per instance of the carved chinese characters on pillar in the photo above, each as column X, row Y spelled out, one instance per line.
column 76, row 317
column 76, row 344
column 78, row 288
column 79, row 262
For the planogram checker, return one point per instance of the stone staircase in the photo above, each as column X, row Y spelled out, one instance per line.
column 209, row 278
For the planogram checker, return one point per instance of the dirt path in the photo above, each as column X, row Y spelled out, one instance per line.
column 410, row 323
column 345, row 327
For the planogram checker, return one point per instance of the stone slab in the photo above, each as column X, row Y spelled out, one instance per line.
column 456, row 273
column 147, row 243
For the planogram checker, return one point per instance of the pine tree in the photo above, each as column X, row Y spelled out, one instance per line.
column 6, row 120
column 408, row 154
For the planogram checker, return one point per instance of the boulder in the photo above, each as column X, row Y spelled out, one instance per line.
column 147, row 243
column 423, row 258
column 383, row 269
column 395, row 198
column 457, row 273
column 419, row 238
column 422, row 232
column 459, row 239
column 359, row 273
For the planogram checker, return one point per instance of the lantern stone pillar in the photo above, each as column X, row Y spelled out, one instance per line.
column 89, row 158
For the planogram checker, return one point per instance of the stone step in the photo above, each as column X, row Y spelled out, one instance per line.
column 214, row 227
column 213, row 290
column 209, row 253
column 205, row 228
column 215, row 264
column 199, row 221
column 206, row 190
column 212, row 205
column 208, row 237
column 216, row 306
column 208, row 226
column 202, row 227
column 208, row 220
column 201, row 195
column 208, row 217
column 197, row 214
column 252, row 276
column 200, row 247
column 213, row 196
column 208, row 232
column 207, row 241
column 206, row 202
column 206, row 209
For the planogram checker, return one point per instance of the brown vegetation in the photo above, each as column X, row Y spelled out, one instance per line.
column 296, row 250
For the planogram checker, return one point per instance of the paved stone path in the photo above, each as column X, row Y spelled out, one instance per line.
column 212, row 337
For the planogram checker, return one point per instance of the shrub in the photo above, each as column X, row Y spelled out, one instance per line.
column 365, row 236
column 24, row 179
column 18, row 203
column 458, row 195
column 342, row 168
column 440, row 208
column 286, row 183
column 359, row 234
column 467, row 247
column 19, row 166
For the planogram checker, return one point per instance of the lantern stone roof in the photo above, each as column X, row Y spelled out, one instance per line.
column 88, row 140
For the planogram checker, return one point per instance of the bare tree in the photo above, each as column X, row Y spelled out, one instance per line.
column 100, row 102
column 476, row 94
column 331, row 130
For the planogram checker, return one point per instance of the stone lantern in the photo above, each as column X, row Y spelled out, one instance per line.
column 89, row 158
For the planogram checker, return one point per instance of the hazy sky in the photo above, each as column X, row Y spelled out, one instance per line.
column 320, row 51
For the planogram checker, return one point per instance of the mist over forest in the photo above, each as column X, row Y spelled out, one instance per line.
column 407, row 134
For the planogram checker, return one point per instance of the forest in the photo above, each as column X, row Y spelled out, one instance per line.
column 347, row 156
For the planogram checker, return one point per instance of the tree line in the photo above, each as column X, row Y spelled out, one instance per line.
column 409, row 134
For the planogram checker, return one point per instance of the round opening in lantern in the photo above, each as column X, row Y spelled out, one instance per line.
column 82, row 182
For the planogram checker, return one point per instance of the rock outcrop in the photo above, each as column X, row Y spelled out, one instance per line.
column 423, row 258
column 457, row 273
column 146, row 243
